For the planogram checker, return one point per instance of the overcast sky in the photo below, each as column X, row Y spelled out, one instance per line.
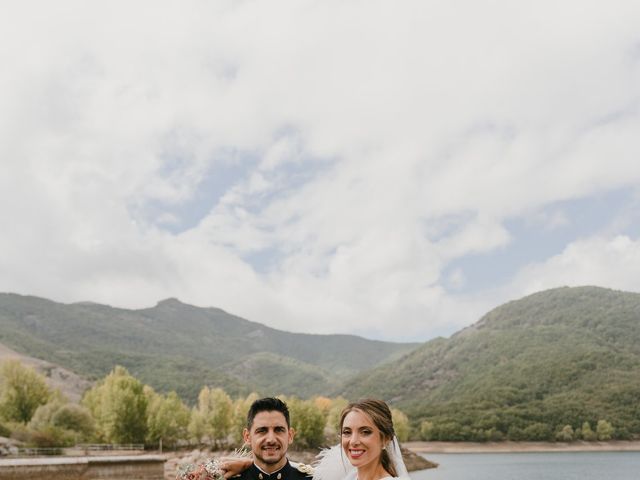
column 389, row 169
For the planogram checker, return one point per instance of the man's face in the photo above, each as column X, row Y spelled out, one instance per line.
column 269, row 438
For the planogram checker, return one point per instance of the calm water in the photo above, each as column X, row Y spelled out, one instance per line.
column 533, row 466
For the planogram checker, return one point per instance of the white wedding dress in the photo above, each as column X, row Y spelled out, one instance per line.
column 332, row 464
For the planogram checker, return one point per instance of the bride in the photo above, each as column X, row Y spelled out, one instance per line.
column 367, row 441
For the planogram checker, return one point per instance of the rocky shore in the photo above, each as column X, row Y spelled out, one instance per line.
column 9, row 446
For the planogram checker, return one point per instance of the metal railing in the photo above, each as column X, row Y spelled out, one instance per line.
column 110, row 446
column 88, row 447
column 32, row 452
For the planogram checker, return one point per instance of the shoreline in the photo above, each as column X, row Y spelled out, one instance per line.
column 522, row 447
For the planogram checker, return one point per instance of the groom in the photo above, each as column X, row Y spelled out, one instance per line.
column 269, row 434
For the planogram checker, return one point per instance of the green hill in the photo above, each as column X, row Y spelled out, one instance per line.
column 174, row 346
column 525, row 370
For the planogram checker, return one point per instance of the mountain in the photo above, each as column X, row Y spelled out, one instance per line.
column 175, row 346
column 526, row 369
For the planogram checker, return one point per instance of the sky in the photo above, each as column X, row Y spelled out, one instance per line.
column 390, row 169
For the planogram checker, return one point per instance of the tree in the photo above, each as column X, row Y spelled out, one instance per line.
column 220, row 415
column 566, row 434
column 119, row 406
column 197, row 425
column 426, row 430
column 333, row 417
column 324, row 404
column 400, row 424
column 43, row 415
column 588, row 434
column 538, row 432
column 22, row 389
column 494, row 435
column 239, row 418
column 60, row 423
column 604, row 430
column 167, row 418
column 308, row 422
column 74, row 418
column 212, row 417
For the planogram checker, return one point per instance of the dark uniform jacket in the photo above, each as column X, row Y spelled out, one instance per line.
column 288, row 472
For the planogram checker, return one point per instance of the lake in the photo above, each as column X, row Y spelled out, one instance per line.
column 533, row 466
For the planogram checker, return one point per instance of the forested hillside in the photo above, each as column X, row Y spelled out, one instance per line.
column 174, row 346
column 526, row 370
column 561, row 364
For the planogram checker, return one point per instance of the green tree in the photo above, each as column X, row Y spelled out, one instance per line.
column 220, row 415
column 22, row 391
column 76, row 419
column 400, row 424
column 167, row 418
column 119, row 406
column 197, row 426
column 494, row 435
column 426, row 430
column 586, row 432
column 333, row 418
column 42, row 417
column 516, row 433
column 239, row 418
column 213, row 416
column 59, row 423
column 308, row 422
column 604, row 430
column 566, row 434
column 538, row 432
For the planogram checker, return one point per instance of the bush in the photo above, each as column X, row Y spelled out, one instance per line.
column 516, row 434
column 426, row 430
column 51, row 437
column 604, row 430
column 494, row 435
column 566, row 434
column 588, row 434
column 538, row 432
column 74, row 418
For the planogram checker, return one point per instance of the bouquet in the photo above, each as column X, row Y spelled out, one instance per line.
column 210, row 470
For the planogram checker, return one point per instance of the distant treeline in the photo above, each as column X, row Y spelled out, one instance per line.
column 492, row 428
column 120, row 409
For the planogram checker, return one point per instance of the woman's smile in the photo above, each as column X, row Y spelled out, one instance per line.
column 355, row 453
column 361, row 439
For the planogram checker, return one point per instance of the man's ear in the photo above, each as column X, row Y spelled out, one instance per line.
column 246, row 436
column 292, row 433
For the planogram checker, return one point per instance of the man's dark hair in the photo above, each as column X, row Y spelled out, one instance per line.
column 268, row 404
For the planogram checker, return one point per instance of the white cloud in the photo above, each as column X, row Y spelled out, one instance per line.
column 364, row 129
column 607, row 262
column 456, row 279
